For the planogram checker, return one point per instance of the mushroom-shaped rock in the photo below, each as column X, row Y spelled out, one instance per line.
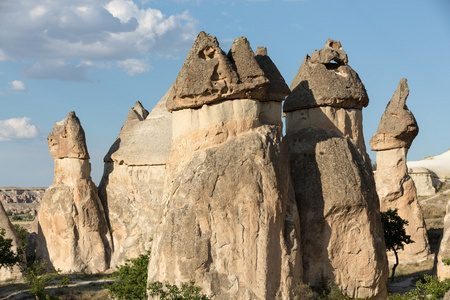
column 395, row 188
column 208, row 75
column 398, row 127
column 134, row 174
column 321, row 83
column 73, row 234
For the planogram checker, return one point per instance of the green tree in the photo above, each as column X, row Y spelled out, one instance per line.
column 394, row 234
column 8, row 258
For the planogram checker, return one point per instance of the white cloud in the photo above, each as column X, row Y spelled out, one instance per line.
column 134, row 66
column 94, row 30
column 17, row 128
column 17, row 85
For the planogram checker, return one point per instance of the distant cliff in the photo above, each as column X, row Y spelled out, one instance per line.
column 21, row 195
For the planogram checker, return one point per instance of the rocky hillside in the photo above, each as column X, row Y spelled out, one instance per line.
column 21, row 195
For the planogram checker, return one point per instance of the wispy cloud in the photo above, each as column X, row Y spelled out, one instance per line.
column 17, row 85
column 62, row 33
column 134, row 66
column 17, row 128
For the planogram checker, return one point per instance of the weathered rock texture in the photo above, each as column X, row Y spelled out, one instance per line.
column 72, row 231
column 230, row 220
column 395, row 188
column 341, row 234
column 423, row 180
column 133, row 179
column 443, row 270
column 10, row 233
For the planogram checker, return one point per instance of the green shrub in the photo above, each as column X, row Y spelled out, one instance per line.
column 429, row 288
column 131, row 279
column 38, row 278
column 132, row 283
column 173, row 292
column 446, row 261
column 8, row 258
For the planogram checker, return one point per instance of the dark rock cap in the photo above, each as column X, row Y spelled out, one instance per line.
column 277, row 88
column 67, row 140
column 398, row 127
column 321, row 83
column 208, row 75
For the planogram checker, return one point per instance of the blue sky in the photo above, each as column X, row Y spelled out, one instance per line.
column 98, row 57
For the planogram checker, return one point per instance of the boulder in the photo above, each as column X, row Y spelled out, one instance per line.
column 73, row 235
column 395, row 188
column 230, row 221
column 133, row 179
column 14, row 272
column 341, row 235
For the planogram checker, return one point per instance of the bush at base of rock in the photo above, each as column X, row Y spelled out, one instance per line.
column 429, row 288
column 132, row 283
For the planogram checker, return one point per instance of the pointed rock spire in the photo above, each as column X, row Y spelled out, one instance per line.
column 67, row 140
column 277, row 88
column 398, row 127
column 208, row 75
column 138, row 112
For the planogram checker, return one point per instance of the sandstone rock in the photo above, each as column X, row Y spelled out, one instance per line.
column 395, row 188
column 10, row 233
column 439, row 165
column 73, row 235
column 230, row 220
column 344, row 89
column 133, row 179
column 397, row 127
column 423, row 180
column 442, row 269
column 67, row 139
column 208, row 75
column 341, row 234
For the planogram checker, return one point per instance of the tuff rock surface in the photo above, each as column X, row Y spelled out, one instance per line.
column 10, row 233
column 341, row 234
column 423, row 180
column 133, row 179
column 208, row 75
column 230, row 221
column 395, row 188
column 443, row 270
column 72, row 231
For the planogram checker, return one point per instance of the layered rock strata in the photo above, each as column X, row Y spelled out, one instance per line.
column 133, row 179
column 230, row 220
column 341, row 234
column 395, row 188
column 73, row 235
column 7, row 273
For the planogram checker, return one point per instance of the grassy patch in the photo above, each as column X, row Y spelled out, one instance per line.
column 415, row 270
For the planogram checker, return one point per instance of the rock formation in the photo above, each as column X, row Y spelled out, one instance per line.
column 133, row 179
column 21, row 195
column 72, row 231
column 423, row 180
column 341, row 234
column 10, row 233
column 395, row 133
column 230, row 221
column 443, row 269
